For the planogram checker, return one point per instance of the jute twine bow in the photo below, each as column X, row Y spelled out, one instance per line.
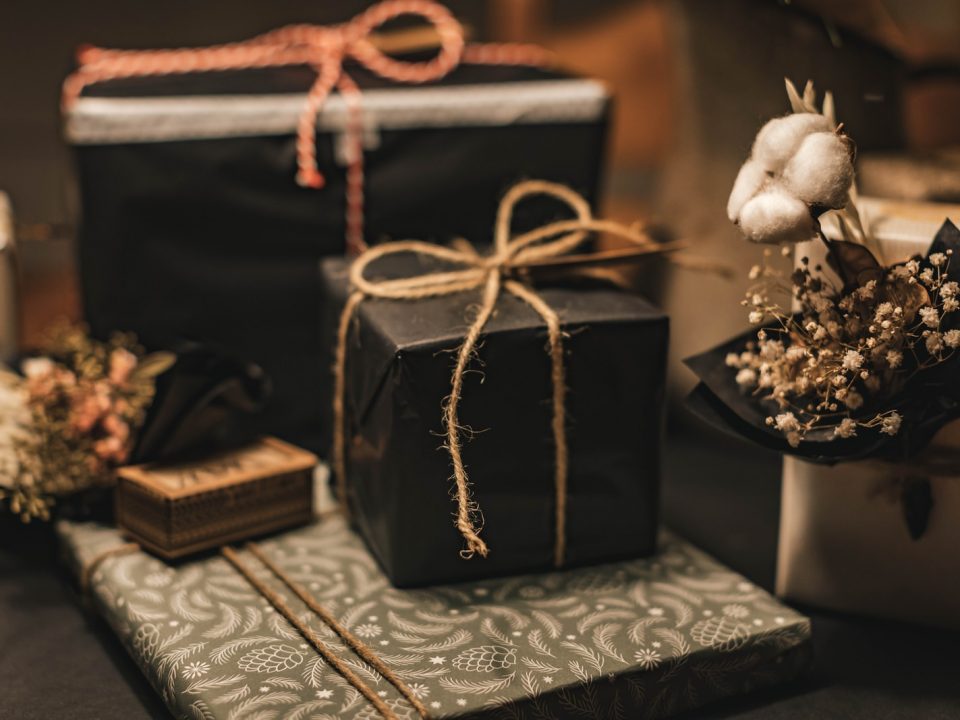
column 505, row 269
column 324, row 49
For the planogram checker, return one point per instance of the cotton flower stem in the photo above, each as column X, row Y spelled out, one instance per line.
column 823, row 238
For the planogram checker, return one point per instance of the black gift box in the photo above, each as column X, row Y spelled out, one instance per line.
column 398, row 371
column 193, row 225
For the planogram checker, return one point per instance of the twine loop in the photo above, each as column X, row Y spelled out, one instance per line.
column 325, row 49
column 503, row 270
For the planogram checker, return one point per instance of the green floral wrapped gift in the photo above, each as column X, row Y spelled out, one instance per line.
column 243, row 635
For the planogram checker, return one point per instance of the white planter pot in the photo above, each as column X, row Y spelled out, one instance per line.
column 844, row 543
column 9, row 299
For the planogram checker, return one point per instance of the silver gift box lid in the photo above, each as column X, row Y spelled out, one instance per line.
column 101, row 120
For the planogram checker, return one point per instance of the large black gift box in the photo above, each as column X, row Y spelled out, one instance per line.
column 193, row 225
column 398, row 373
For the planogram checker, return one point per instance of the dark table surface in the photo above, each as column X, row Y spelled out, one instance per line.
column 58, row 661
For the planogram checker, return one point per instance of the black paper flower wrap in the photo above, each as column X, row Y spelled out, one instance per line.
column 927, row 401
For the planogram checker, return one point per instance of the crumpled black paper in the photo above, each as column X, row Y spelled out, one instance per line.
column 206, row 402
column 927, row 402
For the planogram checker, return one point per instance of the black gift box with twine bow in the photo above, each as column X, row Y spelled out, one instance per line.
column 399, row 355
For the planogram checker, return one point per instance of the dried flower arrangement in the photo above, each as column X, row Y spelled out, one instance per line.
column 843, row 363
column 847, row 350
column 76, row 412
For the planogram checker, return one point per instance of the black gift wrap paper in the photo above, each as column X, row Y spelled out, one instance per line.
column 400, row 356
column 212, row 239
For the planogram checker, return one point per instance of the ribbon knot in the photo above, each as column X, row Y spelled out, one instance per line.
column 325, row 50
column 506, row 269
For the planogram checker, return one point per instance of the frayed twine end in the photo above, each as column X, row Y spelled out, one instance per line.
column 310, row 178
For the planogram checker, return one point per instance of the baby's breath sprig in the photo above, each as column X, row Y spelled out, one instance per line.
column 845, row 351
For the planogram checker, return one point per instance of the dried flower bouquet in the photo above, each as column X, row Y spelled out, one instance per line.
column 849, row 363
column 73, row 416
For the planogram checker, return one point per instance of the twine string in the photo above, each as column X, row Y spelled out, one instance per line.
column 492, row 275
column 355, row 643
column 281, row 606
column 364, row 651
column 324, row 49
column 87, row 571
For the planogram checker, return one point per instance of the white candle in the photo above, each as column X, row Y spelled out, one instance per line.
column 9, row 295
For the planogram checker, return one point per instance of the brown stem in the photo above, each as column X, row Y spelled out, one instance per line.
column 823, row 238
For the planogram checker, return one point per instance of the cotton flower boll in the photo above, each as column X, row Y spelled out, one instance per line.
column 774, row 216
column 821, row 171
column 780, row 138
column 748, row 183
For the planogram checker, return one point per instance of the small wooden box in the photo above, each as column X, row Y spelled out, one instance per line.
column 173, row 510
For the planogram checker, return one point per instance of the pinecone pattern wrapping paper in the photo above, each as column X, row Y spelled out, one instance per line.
column 646, row 638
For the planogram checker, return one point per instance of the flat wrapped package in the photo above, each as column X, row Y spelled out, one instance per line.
column 643, row 638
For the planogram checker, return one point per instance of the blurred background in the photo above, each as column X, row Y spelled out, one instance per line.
column 693, row 81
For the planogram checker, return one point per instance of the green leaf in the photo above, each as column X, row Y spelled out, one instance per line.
column 829, row 110
column 796, row 104
column 916, row 499
column 854, row 263
column 809, row 95
column 154, row 364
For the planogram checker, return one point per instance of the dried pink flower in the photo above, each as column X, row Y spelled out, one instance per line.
column 88, row 405
column 110, row 449
column 122, row 364
column 116, row 427
column 37, row 367
column 45, row 378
